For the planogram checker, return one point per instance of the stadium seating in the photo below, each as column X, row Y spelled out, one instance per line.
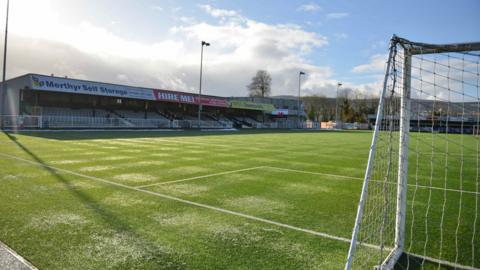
column 62, row 117
column 130, row 114
column 57, row 111
column 157, row 116
column 99, row 113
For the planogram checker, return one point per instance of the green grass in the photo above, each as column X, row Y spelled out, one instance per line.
column 60, row 220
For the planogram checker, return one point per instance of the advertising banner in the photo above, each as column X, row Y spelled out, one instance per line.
column 280, row 112
column 179, row 97
column 49, row 83
column 249, row 105
column 215, row 102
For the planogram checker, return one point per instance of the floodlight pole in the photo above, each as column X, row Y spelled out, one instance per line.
column 298, row 100
column 336, row 107
column 200, row 88
column 4, row 86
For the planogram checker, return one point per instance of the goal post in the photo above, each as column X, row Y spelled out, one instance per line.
column 430, row 92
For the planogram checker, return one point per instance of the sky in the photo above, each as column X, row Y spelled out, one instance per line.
column 156, row 44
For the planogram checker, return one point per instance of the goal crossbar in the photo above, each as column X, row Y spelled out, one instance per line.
column 416, row 48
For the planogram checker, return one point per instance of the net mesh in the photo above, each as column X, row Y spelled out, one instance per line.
column 442, row 195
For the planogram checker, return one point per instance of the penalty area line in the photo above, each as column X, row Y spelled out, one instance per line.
column 314, row 173
column 361, row 179
column 201, row 177
column 200, row 205
column 218, row 209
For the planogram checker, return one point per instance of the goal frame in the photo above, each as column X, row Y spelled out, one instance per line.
column 409, row 49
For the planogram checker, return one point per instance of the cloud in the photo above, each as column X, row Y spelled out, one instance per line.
column 341, row 35
column 219, row 13
column 311, row 7
column 433, row 77
column 240, row 47
column 224, row 15
column 337, row 15
column 376, row 65
column 175, row 10
column 157, row 8
column 444, row 78
column 187, row 20
column 328, row 87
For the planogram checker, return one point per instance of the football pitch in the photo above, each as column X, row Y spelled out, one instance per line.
column 213, row 200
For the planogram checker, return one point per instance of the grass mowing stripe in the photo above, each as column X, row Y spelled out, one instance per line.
column 321, row 234
column 186, row 142
column 229, row 162
column 256, row 149
column 324, row 235
column 152, row 142
column 201, row 177
column 361, row 179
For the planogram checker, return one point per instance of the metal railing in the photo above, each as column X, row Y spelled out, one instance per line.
column 79, row 122
column 74, row 122
column 203, row 124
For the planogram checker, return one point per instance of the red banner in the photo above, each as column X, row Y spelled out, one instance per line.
column 179, row 97
column 214, row 102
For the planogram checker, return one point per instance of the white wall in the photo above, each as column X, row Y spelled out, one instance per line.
column 12, row 98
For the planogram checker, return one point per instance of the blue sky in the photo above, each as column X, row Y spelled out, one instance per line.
column 156, row 43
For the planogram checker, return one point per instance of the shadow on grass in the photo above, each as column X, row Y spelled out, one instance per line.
column 118, row 134
column 154, row 255
column 413, row 262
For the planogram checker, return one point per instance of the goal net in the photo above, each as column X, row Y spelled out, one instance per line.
column 420, row 202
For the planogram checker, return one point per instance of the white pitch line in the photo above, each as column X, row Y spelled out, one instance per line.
column 314, row 173
column 361, row 179
column 443, row 262
column 201, row 177
column 201, row 205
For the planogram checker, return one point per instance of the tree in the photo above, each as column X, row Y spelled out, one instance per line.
column 347, row 110
column 354, row 106
column 348, row 114
column 311, row 113
column 260, row 85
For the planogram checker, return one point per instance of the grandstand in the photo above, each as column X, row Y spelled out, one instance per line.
column 430, row 115
column 35, row 101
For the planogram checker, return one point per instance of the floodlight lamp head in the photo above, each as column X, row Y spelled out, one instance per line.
column 302, row 73
column 205, row 43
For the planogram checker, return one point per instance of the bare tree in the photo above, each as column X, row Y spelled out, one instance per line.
column 260, row 85
column 320, row 105
column 355, row 106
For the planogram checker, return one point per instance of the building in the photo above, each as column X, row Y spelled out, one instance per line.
column 35, row 101
column 437, row 116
